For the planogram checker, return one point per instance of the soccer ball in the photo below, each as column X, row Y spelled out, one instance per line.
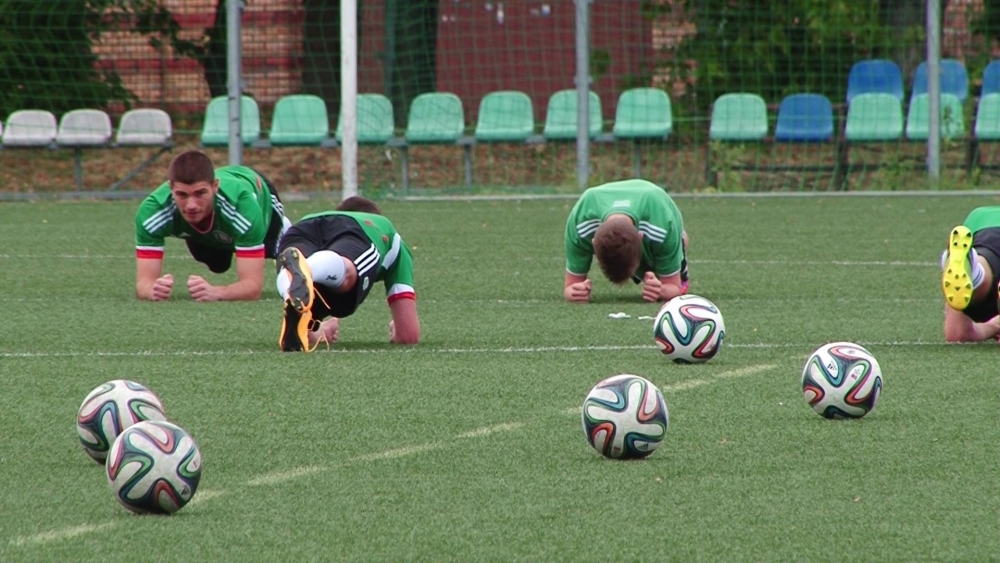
column 110, row 409
column 841, row 380
column 625, row 417
column 154, row 467
column 689, row 329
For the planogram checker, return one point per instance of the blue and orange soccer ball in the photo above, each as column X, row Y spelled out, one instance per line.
column 842, row 380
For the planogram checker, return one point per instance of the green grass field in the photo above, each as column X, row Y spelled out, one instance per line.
column 468, row 447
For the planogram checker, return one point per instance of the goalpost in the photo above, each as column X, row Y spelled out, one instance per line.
column 349, row 96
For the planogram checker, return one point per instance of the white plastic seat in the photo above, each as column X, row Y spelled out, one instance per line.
column 29, row 128
column 146, row 126
column 84, row 127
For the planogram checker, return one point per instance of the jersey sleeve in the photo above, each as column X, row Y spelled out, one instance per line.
column 669, row 255
column 151, row 223
column 399, row 274
column 248, row 220
column 579, row 252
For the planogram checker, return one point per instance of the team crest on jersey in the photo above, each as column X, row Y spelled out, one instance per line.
column 364, row 285
column 222, row 237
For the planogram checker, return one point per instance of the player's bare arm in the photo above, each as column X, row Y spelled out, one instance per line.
column 150, row 282
column 661, row 288
column 576, row 288
column 404, row 328
column 960, row 328
column 247, row 287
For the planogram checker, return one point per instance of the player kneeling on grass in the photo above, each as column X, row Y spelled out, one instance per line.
column 969, row 278
column 635, row 231
column 218, row 212
column 330, row 261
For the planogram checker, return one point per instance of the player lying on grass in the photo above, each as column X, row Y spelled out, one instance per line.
column 969, row 269
column 330, row 261
column 218, row 212
column 635, row 231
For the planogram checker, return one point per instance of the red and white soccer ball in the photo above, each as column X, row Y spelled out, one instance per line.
column 154, row 467
column 689, row 329
column 110, row 409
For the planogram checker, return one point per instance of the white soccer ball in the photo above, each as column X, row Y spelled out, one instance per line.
column 689, row 329
column 842, row 380
column 154, row 467
column 110, row 409
column 625, row 417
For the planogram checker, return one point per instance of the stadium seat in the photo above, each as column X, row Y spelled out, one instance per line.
column 738, row 117
column 144, row 127
column 991, row 78
column 215, row 130
column 376, row 121
column 435, row 118
column 874, row 117
column 299, row 120
column 83, row 128
column 918, row 118
column 804, row 118
column 954, row 79
column 986, row 128
column 642, row 114
column 29, row 128
column 561, row 116
column 505, row 116
column 875, row 76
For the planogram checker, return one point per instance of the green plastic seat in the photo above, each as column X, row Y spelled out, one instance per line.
column 435, row 117
column 299, row 119
column 215, row 130
column 918, row 117
column 988, row 118
column 643, row 113
column 874, row 117
column 560, row 117
column 376, row 121
column 738, row 117
column 506, row 116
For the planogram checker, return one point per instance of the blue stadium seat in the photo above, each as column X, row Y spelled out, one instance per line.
column 954, row 79
column 991, row 78
column 875, row 76
column 804, row 118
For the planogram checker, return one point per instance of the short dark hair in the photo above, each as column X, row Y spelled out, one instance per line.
column 358, row 203
column 618, row 249
column 191, row 167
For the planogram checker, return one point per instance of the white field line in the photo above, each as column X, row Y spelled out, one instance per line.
column 60, row 534
column 692, row 383
column 202, row 496
column 398, row 452
column 418, row 350
column 486, row 431
column 286, row 475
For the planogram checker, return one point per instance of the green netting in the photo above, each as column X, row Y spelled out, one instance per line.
column 658, row 69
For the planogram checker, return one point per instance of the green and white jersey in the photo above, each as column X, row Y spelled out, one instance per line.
column 654, row 213
column 243, row 210
column 983, row 218
column 388, row 255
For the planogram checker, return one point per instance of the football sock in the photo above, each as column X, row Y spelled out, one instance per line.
column 327, row 268
column 978, row 273
column 283, row 282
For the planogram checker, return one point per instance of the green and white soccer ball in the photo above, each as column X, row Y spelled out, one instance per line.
column 842, row 380
column 625, row 417
column 154, row 467
column 111, row 408
column 689, row 329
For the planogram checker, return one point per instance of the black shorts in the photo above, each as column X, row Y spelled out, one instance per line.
column 987, row 244
column 219, row 260
column 344, row 236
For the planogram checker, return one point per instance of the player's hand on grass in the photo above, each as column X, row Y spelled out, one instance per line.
column 651, row 287
column 578, row 292
column 162, row 287
column 201, row 290
column 329, row 331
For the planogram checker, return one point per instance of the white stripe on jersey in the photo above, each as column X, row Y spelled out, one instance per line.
column 390, row 258
column 398, row 288
column 276, row 205
column 150, row 248
column 368, row 259
column 241, row 223
column 653, row 228
column 160, row 218
column 655, row 237
column 587, row 227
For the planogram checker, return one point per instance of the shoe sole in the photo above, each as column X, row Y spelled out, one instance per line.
column 300, row 292
column 290, row 341
column 956, row 281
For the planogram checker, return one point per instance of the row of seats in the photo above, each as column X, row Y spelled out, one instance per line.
column 882, row 76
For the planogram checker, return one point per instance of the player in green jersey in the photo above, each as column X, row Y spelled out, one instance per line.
column 329, row 262
column 635, row 231
column 970, row 266
column 218, row 212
